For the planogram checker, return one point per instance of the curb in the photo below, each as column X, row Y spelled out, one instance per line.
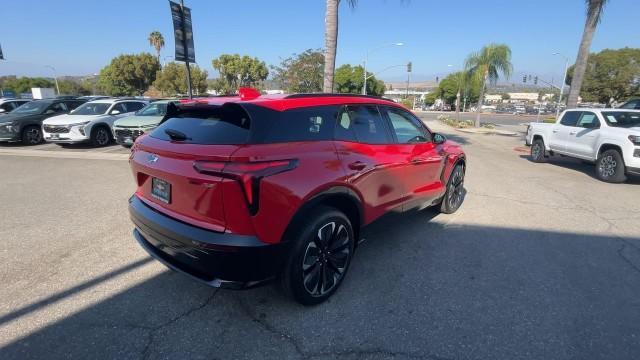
column 488, row 132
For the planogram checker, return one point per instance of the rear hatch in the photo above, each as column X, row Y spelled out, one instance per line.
column 163, row 161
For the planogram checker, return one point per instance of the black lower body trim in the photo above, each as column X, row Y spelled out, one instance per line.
column 217, row 259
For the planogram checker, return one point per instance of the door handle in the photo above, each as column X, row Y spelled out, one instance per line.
column 572, row 133
column 555, row 131
column 358, row 165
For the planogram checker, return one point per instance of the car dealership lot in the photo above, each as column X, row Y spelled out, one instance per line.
column 541, row 261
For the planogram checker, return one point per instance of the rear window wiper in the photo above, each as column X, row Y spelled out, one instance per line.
column 176, row 135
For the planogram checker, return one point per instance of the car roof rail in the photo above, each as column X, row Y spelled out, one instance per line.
column 311, row 95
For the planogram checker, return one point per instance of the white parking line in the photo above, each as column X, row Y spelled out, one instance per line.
column 64, row 154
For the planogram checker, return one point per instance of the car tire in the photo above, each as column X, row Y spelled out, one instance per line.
column 322, row 249
column 100, row 136
column 454, row 195
column 610, row 167
column 31, row 135
column 538, row 151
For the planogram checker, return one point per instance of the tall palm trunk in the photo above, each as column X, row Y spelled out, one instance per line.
column 581, row 62
column 330, row 43
column 481, row 97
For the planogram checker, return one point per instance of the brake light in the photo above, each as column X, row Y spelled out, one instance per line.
column 248, row 174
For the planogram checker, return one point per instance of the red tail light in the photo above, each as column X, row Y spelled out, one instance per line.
column 248, row 174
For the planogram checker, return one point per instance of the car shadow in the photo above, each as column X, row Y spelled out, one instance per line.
column 580, row 166
column 415, row 286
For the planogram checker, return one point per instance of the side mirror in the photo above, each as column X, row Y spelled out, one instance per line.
column 115, row 112
column 439, row 138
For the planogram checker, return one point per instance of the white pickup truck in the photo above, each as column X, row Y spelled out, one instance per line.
column 608, row 137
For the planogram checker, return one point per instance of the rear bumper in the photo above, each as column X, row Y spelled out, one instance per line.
column 217, row 259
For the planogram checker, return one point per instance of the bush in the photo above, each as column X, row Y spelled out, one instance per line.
column 455, row 123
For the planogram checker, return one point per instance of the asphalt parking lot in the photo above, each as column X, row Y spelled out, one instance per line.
column 542, row 261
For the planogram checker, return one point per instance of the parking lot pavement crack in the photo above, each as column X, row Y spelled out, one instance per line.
column 268, row 327
column 630, row 254
column 152, row 332
column 524, row 202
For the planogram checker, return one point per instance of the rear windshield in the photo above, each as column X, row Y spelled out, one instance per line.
column 622, row 118
column 228, row 124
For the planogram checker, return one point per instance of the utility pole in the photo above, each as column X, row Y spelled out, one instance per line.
column 55, row 77
column 186, row 51
column 409, row 66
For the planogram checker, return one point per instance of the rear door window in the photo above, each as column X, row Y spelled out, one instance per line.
column 228, row 124
column 133, row 106
column 570, row 118
column 362, row 123
column 301, row 124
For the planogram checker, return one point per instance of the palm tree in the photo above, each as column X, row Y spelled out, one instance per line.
column 594, row 10
column 157, row 41
column 486, row 65
column 331, row 41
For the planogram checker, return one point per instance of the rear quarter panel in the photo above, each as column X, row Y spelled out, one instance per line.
column 281, row 195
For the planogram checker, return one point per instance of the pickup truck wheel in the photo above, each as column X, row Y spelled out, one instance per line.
column 322, row 250
column 455, row 191
column 538, row 151
column 610, row 167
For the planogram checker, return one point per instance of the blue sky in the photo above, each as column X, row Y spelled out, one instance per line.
column 80, row 37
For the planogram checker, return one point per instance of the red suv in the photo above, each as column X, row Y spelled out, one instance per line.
column 235, row 191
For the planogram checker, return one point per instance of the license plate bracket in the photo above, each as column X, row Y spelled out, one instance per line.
column 161, row 190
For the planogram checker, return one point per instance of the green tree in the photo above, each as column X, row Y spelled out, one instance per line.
column 157, row 41
column 610, row 74
column 349, row 79
column 431, row 97
column 24, row 84
column 594, row 10
column 72, row 87
column 301, row 73
column 238, row 71
column 129, row 74
column 505, row 96
column 485, row 66
column 172, row 79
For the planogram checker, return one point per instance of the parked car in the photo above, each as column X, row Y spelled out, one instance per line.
column 92, row 122
column 94, row 97
column 609, row 137
column 24, row 124
column 631, row 104
column 127, row 129
column 8, row 105
column 237, row 191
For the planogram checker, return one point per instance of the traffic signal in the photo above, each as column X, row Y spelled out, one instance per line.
column 535, row 80
column 524, row 79
column 409, row 65
column 437, row 79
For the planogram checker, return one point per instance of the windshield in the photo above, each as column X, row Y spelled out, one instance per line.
column 622, row 118
column 91, row 109
column 153, row 110
column 34, row 107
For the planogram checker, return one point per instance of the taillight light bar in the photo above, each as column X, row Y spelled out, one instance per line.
column 248, row 174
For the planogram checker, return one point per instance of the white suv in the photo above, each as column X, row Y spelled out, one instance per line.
column 89, row 122
column 608, row 137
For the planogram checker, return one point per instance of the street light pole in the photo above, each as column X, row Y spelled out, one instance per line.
column 55, row 77
column 366, row 60
column 564, row 79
